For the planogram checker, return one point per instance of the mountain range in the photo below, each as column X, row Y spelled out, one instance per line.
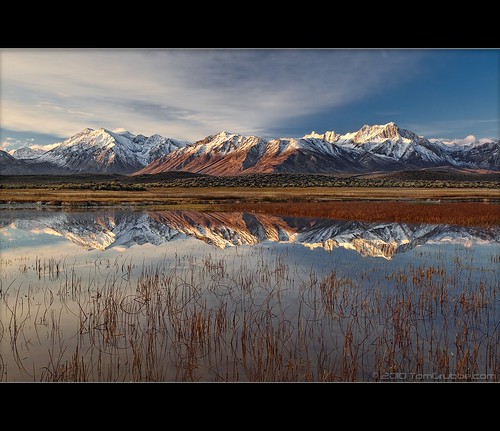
column 104, row 230
column 372, row 148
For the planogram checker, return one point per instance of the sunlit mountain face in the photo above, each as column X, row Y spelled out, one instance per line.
column 107, row 229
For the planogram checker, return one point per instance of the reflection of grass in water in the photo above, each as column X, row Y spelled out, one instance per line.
column 216, row 320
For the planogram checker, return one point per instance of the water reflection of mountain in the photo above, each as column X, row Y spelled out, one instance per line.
column 107, row 228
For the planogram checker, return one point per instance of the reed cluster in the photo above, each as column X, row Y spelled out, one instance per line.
column 252, row 317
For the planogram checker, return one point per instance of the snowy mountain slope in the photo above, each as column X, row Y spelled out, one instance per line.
column 104, row 229
column 27, row 153
column 233, row 154
column 221, row 154
column 103, row 151
column 415, row 151
column 394, row 145
column 486, row 155
column 11, row 166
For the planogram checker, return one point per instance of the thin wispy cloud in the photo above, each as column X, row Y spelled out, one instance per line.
column 187, row 94
column 45, row 147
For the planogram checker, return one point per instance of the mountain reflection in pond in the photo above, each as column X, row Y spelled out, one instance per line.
column 106, row 229
column 122, row 295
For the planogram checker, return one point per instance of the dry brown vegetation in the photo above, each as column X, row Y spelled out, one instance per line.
column 457, row 213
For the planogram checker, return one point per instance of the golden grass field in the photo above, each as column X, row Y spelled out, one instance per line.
column 176, row 195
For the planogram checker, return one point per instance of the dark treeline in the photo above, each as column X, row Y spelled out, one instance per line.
column 426, row 178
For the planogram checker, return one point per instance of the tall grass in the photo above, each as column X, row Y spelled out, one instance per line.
column 250, row 318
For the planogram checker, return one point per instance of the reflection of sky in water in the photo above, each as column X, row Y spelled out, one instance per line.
column 12, row 238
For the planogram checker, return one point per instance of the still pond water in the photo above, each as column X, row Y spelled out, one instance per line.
column 122, row 295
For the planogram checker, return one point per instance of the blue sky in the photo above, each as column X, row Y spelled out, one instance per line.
column 47, row 95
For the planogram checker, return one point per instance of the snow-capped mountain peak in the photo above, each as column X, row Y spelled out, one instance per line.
column 368, row 134
column 327, row 136
column 381, row 133
column 223, row 134
column 227, row 141
column 90, row 137
column 104, row 151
